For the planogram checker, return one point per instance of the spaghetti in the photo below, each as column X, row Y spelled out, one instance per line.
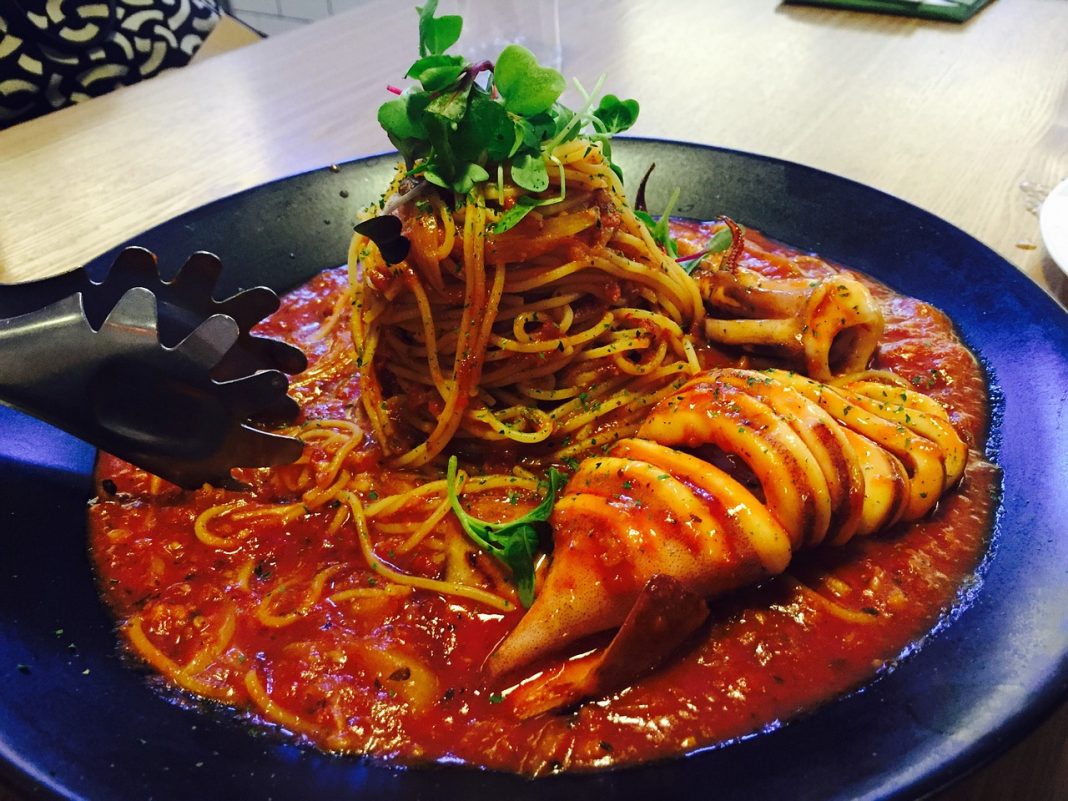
column 556, row 334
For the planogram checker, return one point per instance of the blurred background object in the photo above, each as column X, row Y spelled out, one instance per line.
column 54, row 54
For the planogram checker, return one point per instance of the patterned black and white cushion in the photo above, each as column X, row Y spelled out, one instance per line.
column 57, row 52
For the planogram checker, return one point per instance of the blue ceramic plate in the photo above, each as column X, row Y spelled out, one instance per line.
column 76, row 721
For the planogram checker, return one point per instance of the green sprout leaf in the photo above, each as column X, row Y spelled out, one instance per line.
column 451, row 104
column 467, row 176
column 487, row 131
column 719, row 242
column 402, row 121
column 523, row 206
column 456, row 129
column 616, row 115
column 527, row 87
column 436, row 35
column 660, row 228
column 437, row 72
column 513, row 543
column 528, row 171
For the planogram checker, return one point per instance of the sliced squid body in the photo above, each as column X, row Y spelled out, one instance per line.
column 826, row 464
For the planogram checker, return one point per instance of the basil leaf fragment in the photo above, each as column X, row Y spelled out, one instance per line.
column 513, row 543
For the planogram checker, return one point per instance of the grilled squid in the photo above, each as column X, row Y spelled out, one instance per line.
column 723, row 483
column 826, row 327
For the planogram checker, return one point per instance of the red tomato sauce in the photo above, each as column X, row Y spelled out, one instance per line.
column 399, row 676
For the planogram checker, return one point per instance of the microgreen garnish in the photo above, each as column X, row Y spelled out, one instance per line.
column 437, row 35
column 526, row 87
column 456, row 128
column 717, row 243
column 660, row 228
column 514, row 542
column 385, row 232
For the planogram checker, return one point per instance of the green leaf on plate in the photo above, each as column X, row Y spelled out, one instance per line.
column 527, row 87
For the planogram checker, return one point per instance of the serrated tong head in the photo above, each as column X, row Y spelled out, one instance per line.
column 157, row 373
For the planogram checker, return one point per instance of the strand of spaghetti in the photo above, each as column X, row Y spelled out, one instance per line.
column 644, row 366
column 499, row 481
column 167, row 666
column 691, row 355
column 427, row 526
column 337, row 521
column 498, row 422
column 567, row 318
column 200, row 526
column 626, row 241
column 371, row 391
column 206, row 656
column 422, row 233
column 316, row 497
column 545, row 304
column 328, row 475
column 639, row 341
column 434, row 585
column 591, row 333
column 244, row 573
column 602, row 440
column 341, row 304
column 627, row 427
column 826, row 604
column 273, row 711
column 448, row 226
column 537, row 393
column 393, row 503
column 508, row 374
column 589, row 396
column 526, row 279
column 358, row 251
column 329, row 425
column 387, row 590
column 599, row 409
column 467, row 361
column 311, row 597
column 429, row 334
column 288, row 512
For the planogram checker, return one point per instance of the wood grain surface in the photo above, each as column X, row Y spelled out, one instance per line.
column 967, row 121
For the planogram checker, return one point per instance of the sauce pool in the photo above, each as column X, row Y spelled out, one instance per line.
column 398, row 674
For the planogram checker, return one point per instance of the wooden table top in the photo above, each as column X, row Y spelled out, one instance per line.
column 967, row 121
